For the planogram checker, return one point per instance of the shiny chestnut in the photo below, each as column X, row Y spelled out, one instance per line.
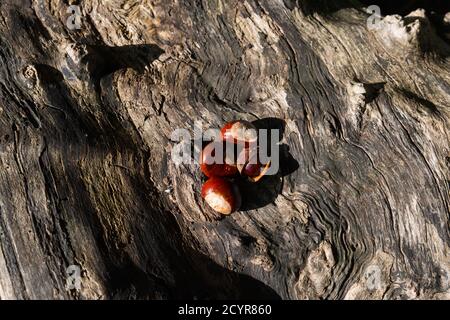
column 239, row 131
column 211, row 166
column 221, row 195
column 249, row 164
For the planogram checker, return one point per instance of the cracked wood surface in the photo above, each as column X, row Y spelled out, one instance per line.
column 86, row 177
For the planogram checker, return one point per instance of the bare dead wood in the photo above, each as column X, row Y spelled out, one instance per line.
column 86, row 176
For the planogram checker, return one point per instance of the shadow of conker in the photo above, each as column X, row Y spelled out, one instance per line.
column 256, row 195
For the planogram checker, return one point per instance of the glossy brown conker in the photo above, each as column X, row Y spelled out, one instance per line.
column 239, row 131
column 221, row 195
column 210, row 167
column 249, row 164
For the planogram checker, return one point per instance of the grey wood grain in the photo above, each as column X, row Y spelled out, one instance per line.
column 359, row 210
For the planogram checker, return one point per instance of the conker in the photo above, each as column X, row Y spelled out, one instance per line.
column 221, row 195
column 239, row 131
column 226, row 167
column 249, row 164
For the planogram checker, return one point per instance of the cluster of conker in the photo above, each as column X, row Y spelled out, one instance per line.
column 220, row 191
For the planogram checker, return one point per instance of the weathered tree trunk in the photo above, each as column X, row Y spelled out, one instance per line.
column 86, row 177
